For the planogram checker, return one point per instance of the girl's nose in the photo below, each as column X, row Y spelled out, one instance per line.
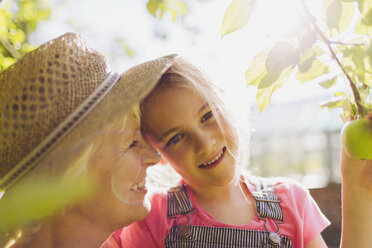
column 204, row 142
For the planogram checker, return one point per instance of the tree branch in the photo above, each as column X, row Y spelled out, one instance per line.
column 354, row 90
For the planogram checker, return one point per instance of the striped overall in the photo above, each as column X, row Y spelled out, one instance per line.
column 267, row 205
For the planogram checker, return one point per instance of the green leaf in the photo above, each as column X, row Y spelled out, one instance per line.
column 328, row 83
column 281, row 56
column 364, row 6
column 358, row 56
column 158, row 8
column 306, row 41
column 152, row 7
column 368, row 80
column 348, row 110
column 268, row 80
column 333, row 13
column 263, row 98
column 316, row 69
column 18, row 36
column 257, row 69
column 335, row 103
column 6, row 62
column 364, row 29
column 16, row 24
column 306, row 60
column 359, row 72
column 355, row 61
column 4, row 20
column 348, row 10
column 236, row 15
column 263, row 95
column 367, row 18
column 336, row 94
column 365, row 23
column 38, row 199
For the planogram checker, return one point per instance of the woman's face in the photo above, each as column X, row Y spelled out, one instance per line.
column 119, row 166
column 184, row 130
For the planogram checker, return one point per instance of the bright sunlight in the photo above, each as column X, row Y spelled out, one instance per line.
column 273, row 18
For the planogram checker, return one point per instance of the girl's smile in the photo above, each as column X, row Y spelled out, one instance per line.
column 215, row 161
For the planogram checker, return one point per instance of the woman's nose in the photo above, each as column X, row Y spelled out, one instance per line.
column 150, row 155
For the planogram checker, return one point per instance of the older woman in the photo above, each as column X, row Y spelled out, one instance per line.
column 66, row 117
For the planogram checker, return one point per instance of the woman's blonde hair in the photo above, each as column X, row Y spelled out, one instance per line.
column 70, row 158
column 184, row 74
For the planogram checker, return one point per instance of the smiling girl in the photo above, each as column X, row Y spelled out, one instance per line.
column 216, row 203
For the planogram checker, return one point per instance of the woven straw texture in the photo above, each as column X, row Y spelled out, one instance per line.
column 41, row 89
column 141, row 79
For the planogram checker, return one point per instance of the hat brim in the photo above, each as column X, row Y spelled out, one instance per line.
column 141, row 79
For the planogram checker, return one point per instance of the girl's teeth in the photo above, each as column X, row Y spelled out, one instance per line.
column 214, row 160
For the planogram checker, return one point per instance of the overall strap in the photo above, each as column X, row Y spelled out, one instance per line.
column 267, row 202
column 178, row 202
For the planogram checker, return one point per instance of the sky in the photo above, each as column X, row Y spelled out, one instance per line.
column 198, row 38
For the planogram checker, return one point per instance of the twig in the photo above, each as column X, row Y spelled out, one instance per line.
column 10, row 48
column 354, row 90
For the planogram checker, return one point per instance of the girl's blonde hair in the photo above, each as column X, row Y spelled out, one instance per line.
column 184, row 74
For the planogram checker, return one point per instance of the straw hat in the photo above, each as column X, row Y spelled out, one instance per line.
column 47, row 92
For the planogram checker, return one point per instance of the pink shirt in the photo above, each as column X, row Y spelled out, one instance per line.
column 303, row 220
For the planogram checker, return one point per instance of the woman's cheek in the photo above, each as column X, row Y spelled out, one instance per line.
column 129, row 166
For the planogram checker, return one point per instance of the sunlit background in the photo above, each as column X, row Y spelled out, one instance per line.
column 293, row 137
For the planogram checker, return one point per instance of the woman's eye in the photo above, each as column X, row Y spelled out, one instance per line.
column 175, row 139
column 207, row 116
column 133, row 144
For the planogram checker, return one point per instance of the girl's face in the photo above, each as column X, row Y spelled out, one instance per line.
column 119, row 166
column 182, row 127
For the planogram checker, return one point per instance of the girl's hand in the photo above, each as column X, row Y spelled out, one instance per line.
column 356, row 202
column 356, row 173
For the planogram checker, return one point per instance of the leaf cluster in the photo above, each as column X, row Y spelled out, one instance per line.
column 19, row 19
column 158, row 8
column 313, row 51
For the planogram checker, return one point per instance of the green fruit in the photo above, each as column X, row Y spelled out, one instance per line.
column 357, row 139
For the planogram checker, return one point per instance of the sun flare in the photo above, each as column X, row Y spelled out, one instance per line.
column 273, row 18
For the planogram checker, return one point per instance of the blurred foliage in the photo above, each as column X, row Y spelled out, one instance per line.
column 19, row 19
column 38, row 199
column 318, row 45
column 158, row 8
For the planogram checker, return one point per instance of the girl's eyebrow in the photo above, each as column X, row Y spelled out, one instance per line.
column 166, row 133
column 205, row 105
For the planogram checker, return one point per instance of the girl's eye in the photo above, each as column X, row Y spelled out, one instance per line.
column 206, row 117
column 133, row 144
column 175, row 139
